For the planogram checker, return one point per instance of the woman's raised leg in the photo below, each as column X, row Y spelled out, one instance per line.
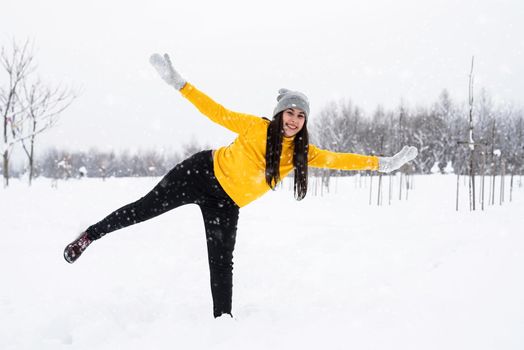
column 180, row 186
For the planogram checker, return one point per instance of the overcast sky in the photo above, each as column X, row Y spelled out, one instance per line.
column 241, row 52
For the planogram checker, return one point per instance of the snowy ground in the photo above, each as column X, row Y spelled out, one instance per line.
column 331, row 272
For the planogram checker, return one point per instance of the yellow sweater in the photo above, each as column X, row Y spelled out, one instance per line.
column 240, row 166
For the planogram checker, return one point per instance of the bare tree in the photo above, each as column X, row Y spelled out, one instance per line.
column 18, row 64
column 44, row 105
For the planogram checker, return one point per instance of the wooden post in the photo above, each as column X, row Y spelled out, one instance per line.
column 483, row 188
column 391, row 187
column 458, row 185
column 472, row 146
column 471, row 141
column 370, row 187
column 379, row 189
column 502, row 180
column 400, row 187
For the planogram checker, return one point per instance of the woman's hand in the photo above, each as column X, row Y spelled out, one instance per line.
column 166, row 71
column 388, row 164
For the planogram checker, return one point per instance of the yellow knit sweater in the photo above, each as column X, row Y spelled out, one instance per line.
column 240, row 166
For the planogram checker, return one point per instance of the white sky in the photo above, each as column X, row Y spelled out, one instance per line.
column 241, row 52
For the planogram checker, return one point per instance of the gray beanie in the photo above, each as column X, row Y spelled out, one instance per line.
column 291, row 99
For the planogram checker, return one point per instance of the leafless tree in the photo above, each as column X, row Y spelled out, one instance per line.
column 17, row 62
column 44, row 105
column 27, row 109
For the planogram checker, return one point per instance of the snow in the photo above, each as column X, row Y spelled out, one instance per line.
column 331, row 272
column 435, row 168
column 449, row 168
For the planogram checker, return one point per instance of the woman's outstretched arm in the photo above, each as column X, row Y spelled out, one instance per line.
column 234, row 121
column 321, row 158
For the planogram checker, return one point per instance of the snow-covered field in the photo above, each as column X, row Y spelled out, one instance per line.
column 331, row 272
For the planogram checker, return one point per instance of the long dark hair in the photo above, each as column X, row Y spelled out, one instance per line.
column 275, row 133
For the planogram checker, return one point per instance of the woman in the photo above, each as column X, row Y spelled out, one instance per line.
column 222, row 181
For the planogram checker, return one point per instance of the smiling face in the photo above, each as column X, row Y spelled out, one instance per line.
column 293, row 120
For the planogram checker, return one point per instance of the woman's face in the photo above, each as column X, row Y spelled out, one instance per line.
column 293, row 120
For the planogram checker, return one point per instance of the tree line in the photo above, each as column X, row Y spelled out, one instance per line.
column 63, row 164
column 440, row 131
column 342, row 126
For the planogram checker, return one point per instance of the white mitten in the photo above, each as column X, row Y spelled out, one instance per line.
column 166, row 71
column 388, row 164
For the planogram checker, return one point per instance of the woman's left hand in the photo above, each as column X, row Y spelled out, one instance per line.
column 388, row 164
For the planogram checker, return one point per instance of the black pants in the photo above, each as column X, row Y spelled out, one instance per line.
column 191, row 181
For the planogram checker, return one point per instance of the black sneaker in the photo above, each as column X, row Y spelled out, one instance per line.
column 76, row 248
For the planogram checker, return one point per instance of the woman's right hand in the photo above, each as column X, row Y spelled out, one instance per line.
column 166, row 71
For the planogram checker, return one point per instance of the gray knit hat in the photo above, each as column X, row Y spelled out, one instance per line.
column 291, row 99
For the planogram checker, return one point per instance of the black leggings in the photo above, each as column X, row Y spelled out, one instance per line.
column 191, row 181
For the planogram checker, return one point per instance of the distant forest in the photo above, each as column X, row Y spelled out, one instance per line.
column 342, row 126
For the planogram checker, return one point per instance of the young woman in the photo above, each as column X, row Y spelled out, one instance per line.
column 224, row 180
